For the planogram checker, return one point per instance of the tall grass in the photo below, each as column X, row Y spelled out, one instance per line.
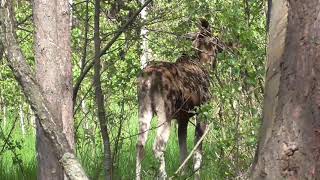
column 218, row 163
column 10, row 169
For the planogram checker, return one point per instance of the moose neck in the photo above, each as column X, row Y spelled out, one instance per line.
column 207, row 58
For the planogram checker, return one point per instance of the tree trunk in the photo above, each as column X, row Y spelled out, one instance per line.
column 21, row 114
column 34, row 95
column 4, row 116
column 99, row 95
column 32, row 120
column 54, row 74
column 107, row 47
column 289, row 143
column 145, row 55
column 2, row 100
column 1, row 51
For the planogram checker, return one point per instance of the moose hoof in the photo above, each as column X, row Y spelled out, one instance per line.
column 162, row 176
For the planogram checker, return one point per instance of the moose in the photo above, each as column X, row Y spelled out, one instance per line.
column 172, row 91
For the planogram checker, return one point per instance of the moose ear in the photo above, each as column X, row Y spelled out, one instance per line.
column 205, row 27
column 191, row 36
column 204, row 23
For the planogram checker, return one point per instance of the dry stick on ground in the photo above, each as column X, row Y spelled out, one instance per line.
column 24, row 75
column 193, row 150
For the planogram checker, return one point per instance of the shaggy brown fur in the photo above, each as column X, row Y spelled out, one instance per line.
column 183, row 84
column 171, row 91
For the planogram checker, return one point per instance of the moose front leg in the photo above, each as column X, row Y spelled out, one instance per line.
column 163, row 133
column 197, row 158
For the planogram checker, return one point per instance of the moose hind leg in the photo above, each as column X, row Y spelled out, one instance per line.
column 145, row 116
column 163, row 133
column 197, row 158
column 182, row 135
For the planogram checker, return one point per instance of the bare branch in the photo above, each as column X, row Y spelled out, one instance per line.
column 106, row 48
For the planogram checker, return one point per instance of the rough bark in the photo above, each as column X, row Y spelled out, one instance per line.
column 99, row 95
column 54, row 74
column 35, row 96
column 289, row 142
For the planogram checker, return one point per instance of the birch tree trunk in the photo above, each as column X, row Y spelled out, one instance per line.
column 2, row 100
column 54, row 74
column 145, row 56
column 21, row 114
column 4, row 116
column 289, row 142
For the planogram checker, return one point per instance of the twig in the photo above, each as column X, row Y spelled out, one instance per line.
column 6, row 139
column 105, row 49
column 11, row 147
column 193, row 150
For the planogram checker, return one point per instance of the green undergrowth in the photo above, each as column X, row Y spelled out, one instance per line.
column 218, row 163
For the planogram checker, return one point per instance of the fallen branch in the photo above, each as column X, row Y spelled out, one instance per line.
column 192, row 152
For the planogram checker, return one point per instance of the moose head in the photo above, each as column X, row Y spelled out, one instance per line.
column 207, row 47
